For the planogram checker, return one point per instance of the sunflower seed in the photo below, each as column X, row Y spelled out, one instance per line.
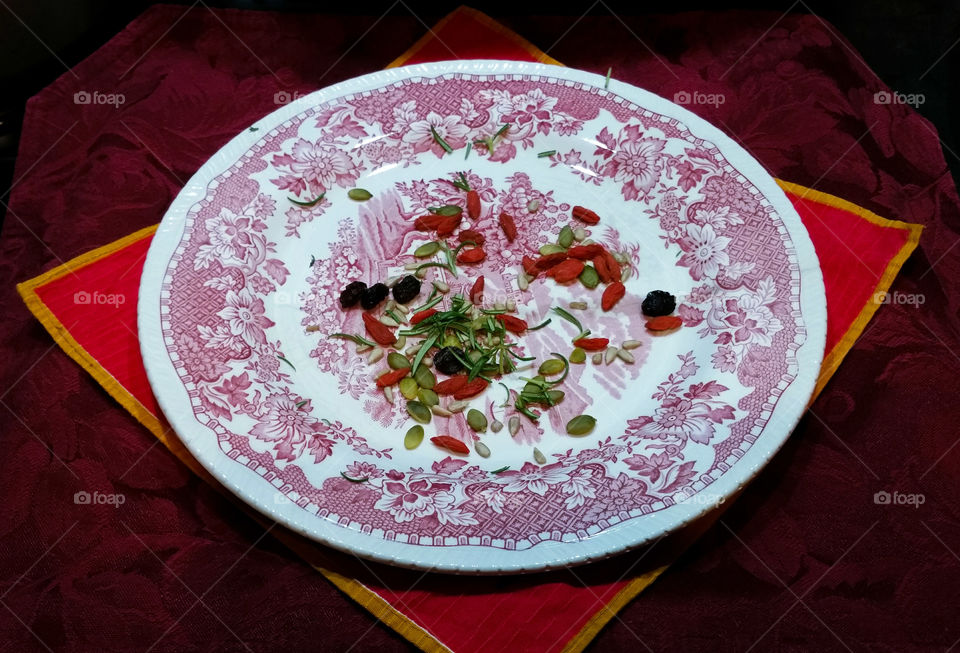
column 589, row 241
column 412, row 350
column 403, row 309
column 428, row 361
column 409, row 388
column 620, row 257
column 578, row 356
column 631, row 344
column 428, row 397
column 413, row 438
column 397, row 361
column 389, row 321
column 392, row 281
column 418, row 411
column 565, row 239
column 625, row 356
column 457, row 406
column 625, row 275
column 513, row 425
column 482, row 449
column 581, row 425
column 421, row 273
column 361, row 348
column 539, row 457
column 424, row 377
column 579, row 306
column 477, row 420
column 598, row 358
column 440, row 411
column 388, row 393
column 609, row 355
column 511, row 304
column 441, row 286
column 400, row 343
column 410, row 267
column 579, row 234
column 533, row 205
column 499, row 306
column 375, row 356
column 312, row 328
column 522, row 282
column 390, row 305
column 496, row 426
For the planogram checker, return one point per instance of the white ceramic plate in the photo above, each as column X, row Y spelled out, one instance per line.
column 241, row 286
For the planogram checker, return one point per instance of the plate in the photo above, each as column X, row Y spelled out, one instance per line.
column 240, row 293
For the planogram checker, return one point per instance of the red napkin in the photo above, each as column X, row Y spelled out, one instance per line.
column 95, row 294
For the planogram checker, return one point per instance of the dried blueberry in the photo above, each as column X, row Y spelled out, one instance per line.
column 658, row 302
column 374, row 295
column 352, row 293
column 406, row 289
column 446, row 360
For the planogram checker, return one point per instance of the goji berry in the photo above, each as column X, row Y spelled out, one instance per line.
column 427, row 222
column 546, row 262
column 378, row 330
column 585, row 252
column 476, row 292
column 417, row 318
column 509, row 226
column 450, row 444
column 600, row 263
column 391, row 377
column 613, row 266
column 530, row 266
column 512, row 324
column 472, row 255
column 585, row 215
column 664, row 323
column 567, row 271
column 613, row 294
column 451, row 385
column 471, row 389
column 473, row 204
column 592, row 344
column 471, row 236
column 448, row 225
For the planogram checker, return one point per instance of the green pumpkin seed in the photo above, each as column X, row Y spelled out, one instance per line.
column 556, row 396
column 477, row 420
column 409, row 388
column 427, row 249
column 359, row 194
column 481, row 449
column 551, row 367
column 566, row 237
column 398, row 361
column 424, row 377
column 428, row 397
column 413, row 438
column 578, row 356
column 551, row 249
column 589, row 277
column 419, row 412
column 581, row 425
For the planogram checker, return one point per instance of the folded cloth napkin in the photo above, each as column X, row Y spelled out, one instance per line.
column 89, row 307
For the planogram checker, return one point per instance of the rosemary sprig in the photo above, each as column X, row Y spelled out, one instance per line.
column 301, row 404
column 424, row 348
column 469, row 147
column 287, row 362
column 502, row 469
column 546, row 153
column 572, row 320
column 357, row 339
column 606, row 83
column 439, row 139
column 462, row 183
column 309, row 203
column 541, row 325
column 354, row 480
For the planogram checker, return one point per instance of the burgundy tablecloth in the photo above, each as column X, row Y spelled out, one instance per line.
column 806, row 560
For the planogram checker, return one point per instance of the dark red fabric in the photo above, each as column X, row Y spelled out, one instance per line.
column 871, row 576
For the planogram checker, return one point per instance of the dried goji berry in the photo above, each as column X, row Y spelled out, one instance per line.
column 566, row 271
column 472, row 255
column 451, row 385
column 512, row 324
column 473, row 204
column 476, row 292
column 613, row 294
column 530, row 266
column 592, row 344
column 471, row 389
column 471, row 236
column 546, row 262
column 417, row 318
column 378, row 330
column 427, row 222
column 391, row 377
column 613, row 266
column 664, row 323
column 450, row 443
column 585, row 215
column 508, row 225
column 600, row 263
column 448, row 225
column 585, row 252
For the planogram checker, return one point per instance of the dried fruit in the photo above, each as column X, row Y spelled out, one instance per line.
column 452, row 385
column 544, row 263
column 512, row 324
column 592, row 344
column 428, row 222
column 413, row 438
column 585, row 252
column 450, row 443
column 471, row 236
column 406, row 289
column 509, row 226
column 448, row 225
column 419, row 412
column 530, row 266
column 352, row 294
column 664, row 323
column 398, row 361
column 567, row 271
column 378, row 331
column 589, row 277
column 417, row 318
column 476, row 291
column 473, row 204
column 565, row 239
column 581, row 425
column 477, row 420
column 657, row 303
column 472, row 255
column 613, row 294
column 446, row 360
column 471, row 389
column 603, row 270
column 585, row 215
column 391, row 377
column 374, row 295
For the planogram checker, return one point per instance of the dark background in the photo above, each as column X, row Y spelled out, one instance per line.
column 911, row 45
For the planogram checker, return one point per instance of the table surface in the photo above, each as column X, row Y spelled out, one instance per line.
column 807, row 559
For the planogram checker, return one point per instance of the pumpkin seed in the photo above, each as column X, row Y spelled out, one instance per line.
column 565, row 239
column 425, row 378
column 409, row 388
column 359, row 194
column 389, row 321
column 513, row 425
column 581, row 425
column 620, row 257
column 589, row 241
column 413, row 438
column 440, row 411
column 398, row 361
column 427, row 249
column 589, row 277
column 578, row 356
column 539, row 457
column 441, row 286
column 598, row 358
column 410, row 267
column 578, row 306
column 579, row 234
column 418, row 411
column 631, row 344
column 511, row 304
column 550, row 248
column 625, row 356
column 481, row 449
column 533, row 205
column 392, row 281
column 477, row 420
column 625, row 275
column 400, row 343
column 458, row 406
column 412, row 350
column 428, row 397
column 551, row 367
column 556, row 396
column 361, row 348
column 375, row 356
column 496, row 426
column 388, row 393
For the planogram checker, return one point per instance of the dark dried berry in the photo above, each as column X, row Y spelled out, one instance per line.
column 406, row 289
column 446, row 360
column 658, row 302
column 352, row 294
column 374, row 295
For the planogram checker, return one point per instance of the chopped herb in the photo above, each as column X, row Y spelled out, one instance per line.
column 502, row 469
column 462, row 183
column 439, row 139
column 546, row 153
column 541, row 325
column 357, row 339
column 313, row 259
column 502, row 130
column 254, row 129
column 354, row 480
column 469, row 147
column 307, row 204
column 287, row 362
column 301, row 404
column 606, row 83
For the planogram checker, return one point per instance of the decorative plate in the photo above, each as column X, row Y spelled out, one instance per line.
column 241, row 291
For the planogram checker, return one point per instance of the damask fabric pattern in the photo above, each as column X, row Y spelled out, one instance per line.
column 869, row 575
